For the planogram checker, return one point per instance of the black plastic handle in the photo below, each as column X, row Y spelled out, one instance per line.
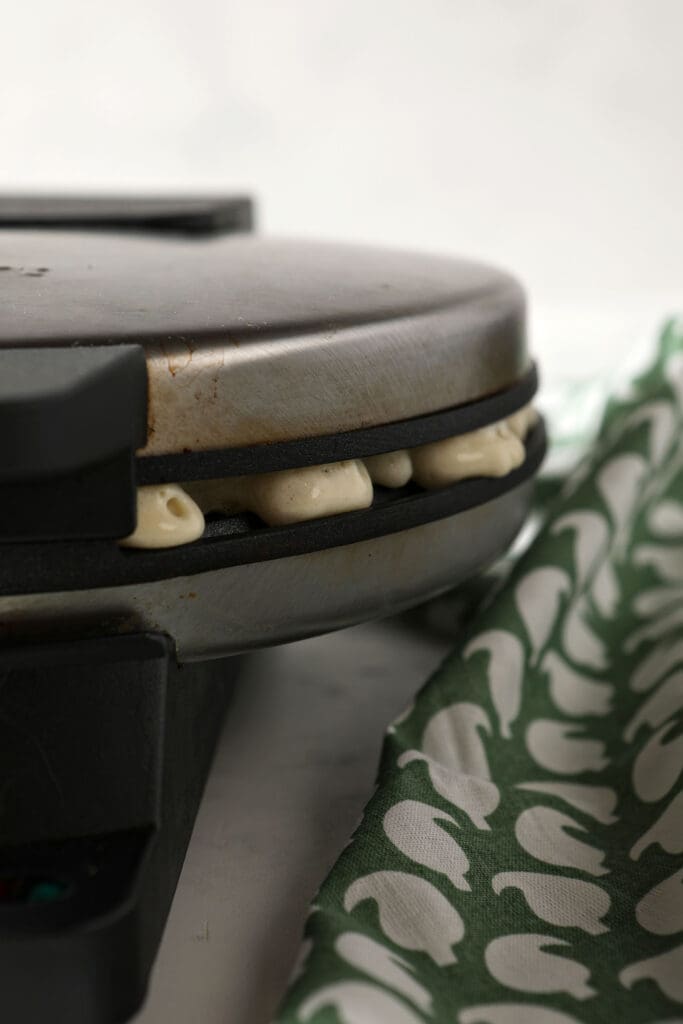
column 71, row 420
column 180, row 215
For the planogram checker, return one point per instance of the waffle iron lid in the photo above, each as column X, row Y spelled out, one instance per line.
column 251, row 341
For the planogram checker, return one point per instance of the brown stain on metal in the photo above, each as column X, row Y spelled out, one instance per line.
column 206, row 395
column 151, row 412
column 175, row 357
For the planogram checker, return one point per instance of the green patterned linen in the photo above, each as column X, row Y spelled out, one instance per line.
column 521, row 861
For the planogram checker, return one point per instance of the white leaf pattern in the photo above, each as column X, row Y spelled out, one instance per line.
column 605, row 591
column 597, row 801
column 580, row 642
column 656, row 664
column 505, row 673
column 453, row 738
column 660, row 911
column 478, row 798
column 358, row 1003
column 412, row 912
column 664, row 703
column 538, row 599
column 413, row 828
column 562, row 748
column 658, row 765
column 591, row 537
column 666, row 519
column 662, row 420
column 619, row 483
column 649, row 603
column 514, row 1013
column 667, row 560
column 670, row 623
column 542, row 832
column 521, row 963
column 371, row 958
column 574, row 693
column 666, row 970
column 667, row 830
column 564, row 902
column 673, row 370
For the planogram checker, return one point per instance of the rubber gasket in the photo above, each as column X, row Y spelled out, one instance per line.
column 312, row 451
column 243, row 539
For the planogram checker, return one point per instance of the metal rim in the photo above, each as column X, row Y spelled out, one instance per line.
column 241, row 607
column 239, row 540
column 311, row 451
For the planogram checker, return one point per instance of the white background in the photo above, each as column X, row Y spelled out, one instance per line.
column 541, row 134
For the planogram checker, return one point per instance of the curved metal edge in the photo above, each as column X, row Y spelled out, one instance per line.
column 321, row 379
column 40, row 568
column 243, row 607
column 351, row 444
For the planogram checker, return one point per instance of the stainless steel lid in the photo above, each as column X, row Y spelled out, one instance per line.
column 259, row 355
column 252, row 341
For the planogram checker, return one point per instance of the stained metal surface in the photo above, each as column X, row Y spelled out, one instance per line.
column 350, row 444
column 251, row 340
column 234, row 609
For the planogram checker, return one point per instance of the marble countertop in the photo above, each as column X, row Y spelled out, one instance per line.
column 295, row 766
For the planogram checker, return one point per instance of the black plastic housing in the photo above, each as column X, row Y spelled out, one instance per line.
column 105, row 746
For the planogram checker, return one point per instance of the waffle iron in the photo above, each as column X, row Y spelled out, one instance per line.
column 150, row 343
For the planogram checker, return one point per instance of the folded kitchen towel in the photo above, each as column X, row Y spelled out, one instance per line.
column 522, row 857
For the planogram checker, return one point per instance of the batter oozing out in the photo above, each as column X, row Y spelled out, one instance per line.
column 170, row 515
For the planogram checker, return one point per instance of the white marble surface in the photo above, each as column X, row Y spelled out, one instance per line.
column 295, row 766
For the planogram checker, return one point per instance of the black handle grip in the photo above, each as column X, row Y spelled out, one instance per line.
column 175, row 215
column 71, row 420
